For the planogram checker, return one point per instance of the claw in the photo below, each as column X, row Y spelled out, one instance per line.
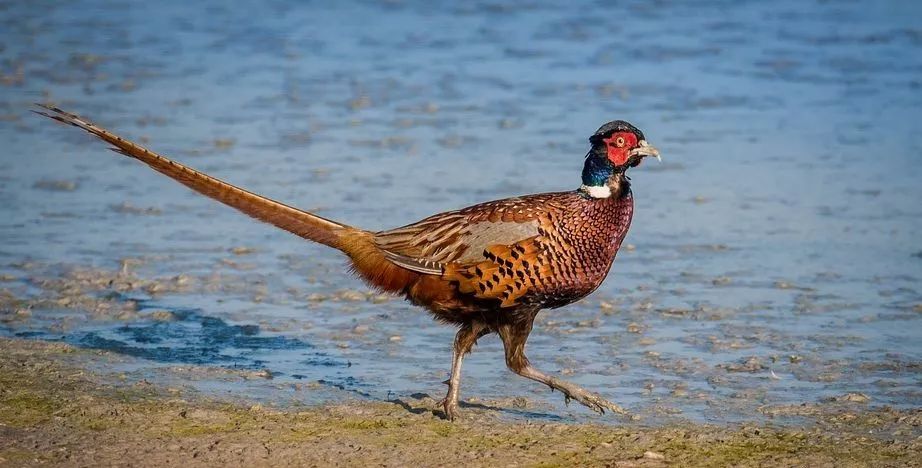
column 594, row 402
column 451, row 411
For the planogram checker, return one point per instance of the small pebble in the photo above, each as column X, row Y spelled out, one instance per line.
column 352, row 296
column 163, row 316
column 721, row 280
column 853, row 398
column 55, row 185
column 264, row 373
column 224, row 143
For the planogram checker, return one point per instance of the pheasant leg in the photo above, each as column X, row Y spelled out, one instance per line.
column 571, row 391
column 465, row 339
column 514, row 337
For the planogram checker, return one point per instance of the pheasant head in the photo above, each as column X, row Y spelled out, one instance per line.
column 616, row 146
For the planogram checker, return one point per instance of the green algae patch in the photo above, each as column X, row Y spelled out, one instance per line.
column 740, row 449
column 183, row 429
column 366, row 425
column 443, row 429
column 27, row 409
column 16, row 457
column 55, row 412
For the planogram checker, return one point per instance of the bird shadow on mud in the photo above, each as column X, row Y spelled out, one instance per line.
column 189, row 336
column 424, row 407
column 349, row 385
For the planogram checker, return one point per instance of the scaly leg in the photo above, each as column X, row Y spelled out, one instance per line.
column 514, row 336
column 465, row 339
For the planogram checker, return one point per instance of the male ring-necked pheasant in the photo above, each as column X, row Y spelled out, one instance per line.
column 486, row 268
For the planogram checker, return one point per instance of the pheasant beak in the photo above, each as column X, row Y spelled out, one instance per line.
column 645, row 149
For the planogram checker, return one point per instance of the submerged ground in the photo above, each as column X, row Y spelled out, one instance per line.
column 771, row 278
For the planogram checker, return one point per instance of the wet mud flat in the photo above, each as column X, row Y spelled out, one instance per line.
column 55, row 410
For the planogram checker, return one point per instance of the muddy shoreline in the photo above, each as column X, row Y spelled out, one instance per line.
column 55, row 410
column 332, row 344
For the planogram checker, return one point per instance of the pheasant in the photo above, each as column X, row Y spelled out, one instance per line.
column 487, row 268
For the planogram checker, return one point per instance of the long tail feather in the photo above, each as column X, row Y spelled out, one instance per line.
column 299, row 222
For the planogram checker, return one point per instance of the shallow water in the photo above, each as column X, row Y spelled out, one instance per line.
column 774, row 258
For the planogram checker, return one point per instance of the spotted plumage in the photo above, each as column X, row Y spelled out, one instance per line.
column 558, row 256
column 488, row 268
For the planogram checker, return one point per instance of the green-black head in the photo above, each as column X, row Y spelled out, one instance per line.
column 616, row 146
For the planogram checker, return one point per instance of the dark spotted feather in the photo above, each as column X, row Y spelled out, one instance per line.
column 547, row 249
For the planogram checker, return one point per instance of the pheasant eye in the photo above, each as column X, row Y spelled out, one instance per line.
column 620, row 141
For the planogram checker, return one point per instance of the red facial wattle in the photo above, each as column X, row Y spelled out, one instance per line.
column 619, row 146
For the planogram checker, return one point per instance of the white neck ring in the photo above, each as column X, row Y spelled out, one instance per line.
column 596, row 191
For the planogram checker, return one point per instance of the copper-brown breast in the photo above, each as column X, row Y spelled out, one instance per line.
column 581, row 246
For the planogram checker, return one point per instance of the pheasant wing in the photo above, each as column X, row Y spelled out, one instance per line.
column 492, row 250
column 461, row 236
